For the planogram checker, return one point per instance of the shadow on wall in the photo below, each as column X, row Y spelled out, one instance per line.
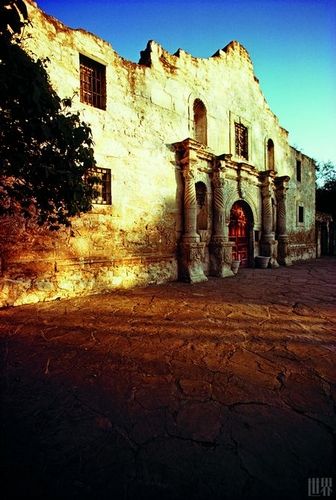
column 94, row 255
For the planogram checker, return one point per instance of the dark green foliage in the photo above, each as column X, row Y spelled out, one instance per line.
column 45, row 151
column 326, row 195
column 13, row 16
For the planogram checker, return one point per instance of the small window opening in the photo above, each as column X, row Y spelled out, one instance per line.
column 200, row 122
column 270, row 154
column 298, row 170
column 102, row 186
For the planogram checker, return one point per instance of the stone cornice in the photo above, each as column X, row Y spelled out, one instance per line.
column 237, row 166
column 191, row 152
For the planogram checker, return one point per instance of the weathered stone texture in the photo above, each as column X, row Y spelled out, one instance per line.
column 302, row 194
column 149, row 110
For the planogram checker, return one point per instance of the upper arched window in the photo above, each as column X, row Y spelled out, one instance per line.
column 200, row 122
column 270, row 154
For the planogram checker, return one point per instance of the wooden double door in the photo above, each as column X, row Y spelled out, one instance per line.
column 239, row 233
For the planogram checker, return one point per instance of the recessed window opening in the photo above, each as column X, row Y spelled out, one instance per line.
column 92, row 82
column 241, row 136
column 200, row 122
column 298, row 170
column 270, row 154
column 103, row 187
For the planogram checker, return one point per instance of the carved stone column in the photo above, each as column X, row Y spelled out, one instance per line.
column 220, row 247
column 190, row 205
column 218, row 183
column 191, row 249
column 269, row 246
column 281, row 190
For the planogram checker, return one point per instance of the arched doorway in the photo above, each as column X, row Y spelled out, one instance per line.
column 241, row 232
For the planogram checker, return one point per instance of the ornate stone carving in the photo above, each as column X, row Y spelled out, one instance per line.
column 281, row 184
column 193, row 158
column 240, row 188
column 192, row 258
column 267, row 212
column 218, row 182
column 218, row 178
column 190, row 204
column 269, row 246
column 219, row 198
column 220, row 257
column 281, row 223
column 281, row 190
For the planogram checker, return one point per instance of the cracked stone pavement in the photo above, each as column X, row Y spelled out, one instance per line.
column 219, row 390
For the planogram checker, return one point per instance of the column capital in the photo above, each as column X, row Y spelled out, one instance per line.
column 218, row 178
column 218, row 183
column 281, row 182
column 189, row 171
column 266, row 188
column 218, row 173
column 281, row 186
column 267, row 174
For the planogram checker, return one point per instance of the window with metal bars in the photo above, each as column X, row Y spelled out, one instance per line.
column 241, row 135
column 102, row 186
column 92, row 82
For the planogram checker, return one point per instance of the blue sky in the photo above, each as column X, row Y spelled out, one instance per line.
column 292, row 44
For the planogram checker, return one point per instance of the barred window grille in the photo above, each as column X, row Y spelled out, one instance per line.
column 92, row 82
column 241, row 135
column 103, row 187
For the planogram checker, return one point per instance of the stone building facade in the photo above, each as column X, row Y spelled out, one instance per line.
column 196, row 172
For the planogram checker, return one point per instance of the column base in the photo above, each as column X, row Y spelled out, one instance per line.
column 191, row 261
column 191, row 238
column 220, row 258
column 285, row 261
column 283, row 253
column 269, row 248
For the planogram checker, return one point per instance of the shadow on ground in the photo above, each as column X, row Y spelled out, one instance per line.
column 222, row 390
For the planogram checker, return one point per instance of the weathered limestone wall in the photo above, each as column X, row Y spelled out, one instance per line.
column 133, row 241
column 301, row 193
column 149, row 108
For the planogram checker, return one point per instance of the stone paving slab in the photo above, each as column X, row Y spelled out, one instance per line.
column 219, row 390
